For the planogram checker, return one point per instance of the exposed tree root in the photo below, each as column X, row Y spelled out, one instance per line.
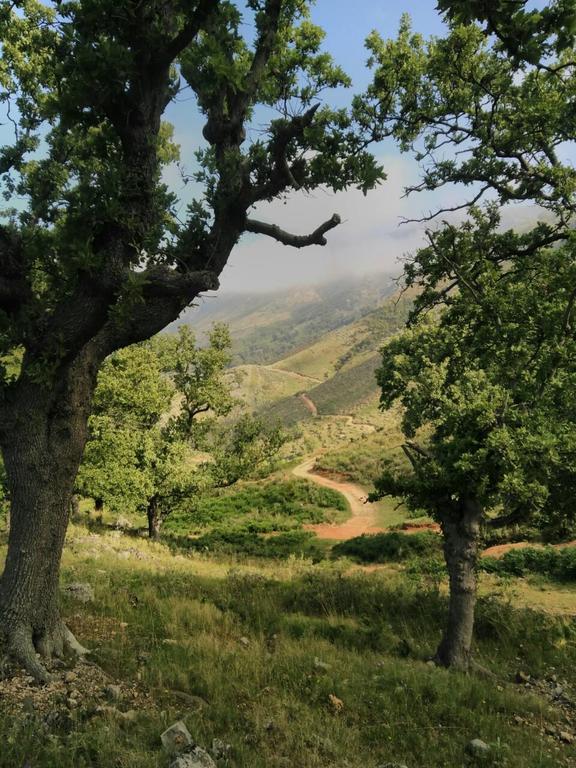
column 34, row 652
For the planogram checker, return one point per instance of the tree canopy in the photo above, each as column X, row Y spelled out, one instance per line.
column 157, row 441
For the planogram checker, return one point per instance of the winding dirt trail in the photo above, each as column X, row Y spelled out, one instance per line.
column 363, row 518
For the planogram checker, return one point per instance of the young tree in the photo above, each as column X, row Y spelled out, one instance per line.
column 155, row 407
column 488, row 108
column 94, row 256
column 489, row 416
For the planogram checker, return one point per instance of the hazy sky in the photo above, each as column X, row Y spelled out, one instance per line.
column 370, row 237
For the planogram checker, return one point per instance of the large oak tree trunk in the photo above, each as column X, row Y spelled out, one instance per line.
column 42, row 438
column 461, row 531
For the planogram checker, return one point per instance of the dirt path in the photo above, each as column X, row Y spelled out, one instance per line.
column 309, row 404
column 363, row 518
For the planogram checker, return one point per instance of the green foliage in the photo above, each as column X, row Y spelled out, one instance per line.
column 388, row 547
column 493, row 378
column 93, row 236
column 555, row 563
column 248, row 449
column 259, row 508
column 247, row 544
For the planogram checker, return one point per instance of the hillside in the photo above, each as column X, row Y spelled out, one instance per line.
column 267, row 327
column 344, row 361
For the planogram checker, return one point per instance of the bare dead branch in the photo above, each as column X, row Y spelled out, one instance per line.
column 287, row 238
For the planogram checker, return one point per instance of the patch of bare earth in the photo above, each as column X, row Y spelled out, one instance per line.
column 77, row 693
column 363, row 519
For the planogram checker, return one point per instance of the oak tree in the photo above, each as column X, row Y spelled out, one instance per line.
column 94, row 254
column 488, row 108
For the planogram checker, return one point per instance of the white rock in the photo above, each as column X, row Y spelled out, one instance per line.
column 477, row 748
column 194, row 757
column 176, row 738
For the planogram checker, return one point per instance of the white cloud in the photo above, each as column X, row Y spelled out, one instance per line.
column 370, row 238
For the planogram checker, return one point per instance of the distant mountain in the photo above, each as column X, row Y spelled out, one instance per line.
column 272, row 326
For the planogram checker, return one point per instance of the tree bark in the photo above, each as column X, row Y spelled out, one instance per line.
column 461, row 531
column 98, row 505
column 44, row 430
column 154, row 518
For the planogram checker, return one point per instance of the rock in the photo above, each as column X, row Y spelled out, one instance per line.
column 566, row 737
column 477, row 748
column 113, row 692
column 321, row 664
column 522, row 677
column 393, row 765
column 176, row 738
column 130, row 716
column 84, row 593
column 194, row 757
column 220, row 750
column 123, row 524
column 70, row 677
column 244, row 641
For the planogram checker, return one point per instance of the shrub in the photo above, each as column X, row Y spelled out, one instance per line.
column 387, row 547
column 250, row 544
column 555, row 563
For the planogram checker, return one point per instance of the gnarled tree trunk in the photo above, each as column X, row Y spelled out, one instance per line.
column 461, row 529
column 42, row 437
column 154, row 518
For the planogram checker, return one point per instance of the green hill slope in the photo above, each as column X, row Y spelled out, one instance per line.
column 346, row 360
column 271, row 326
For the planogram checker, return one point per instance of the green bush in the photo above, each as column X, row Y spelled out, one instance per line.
column 555, row 563
column 251, row 544
column 260, row 508
column 387, row 547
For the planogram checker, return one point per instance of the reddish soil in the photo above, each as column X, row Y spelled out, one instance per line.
column 500, row 549
column 309, row 404
column 363, row 518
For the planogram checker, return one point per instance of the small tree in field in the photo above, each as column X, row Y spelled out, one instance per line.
column 155, row 407
column 95, row 257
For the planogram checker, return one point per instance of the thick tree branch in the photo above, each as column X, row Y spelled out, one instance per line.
column 162, row 281
column 264, row 49
column 287, row 238
column 283, row 132
column 504, row 520
column 189, row 32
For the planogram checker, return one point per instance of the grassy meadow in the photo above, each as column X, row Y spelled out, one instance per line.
column 296, row 660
